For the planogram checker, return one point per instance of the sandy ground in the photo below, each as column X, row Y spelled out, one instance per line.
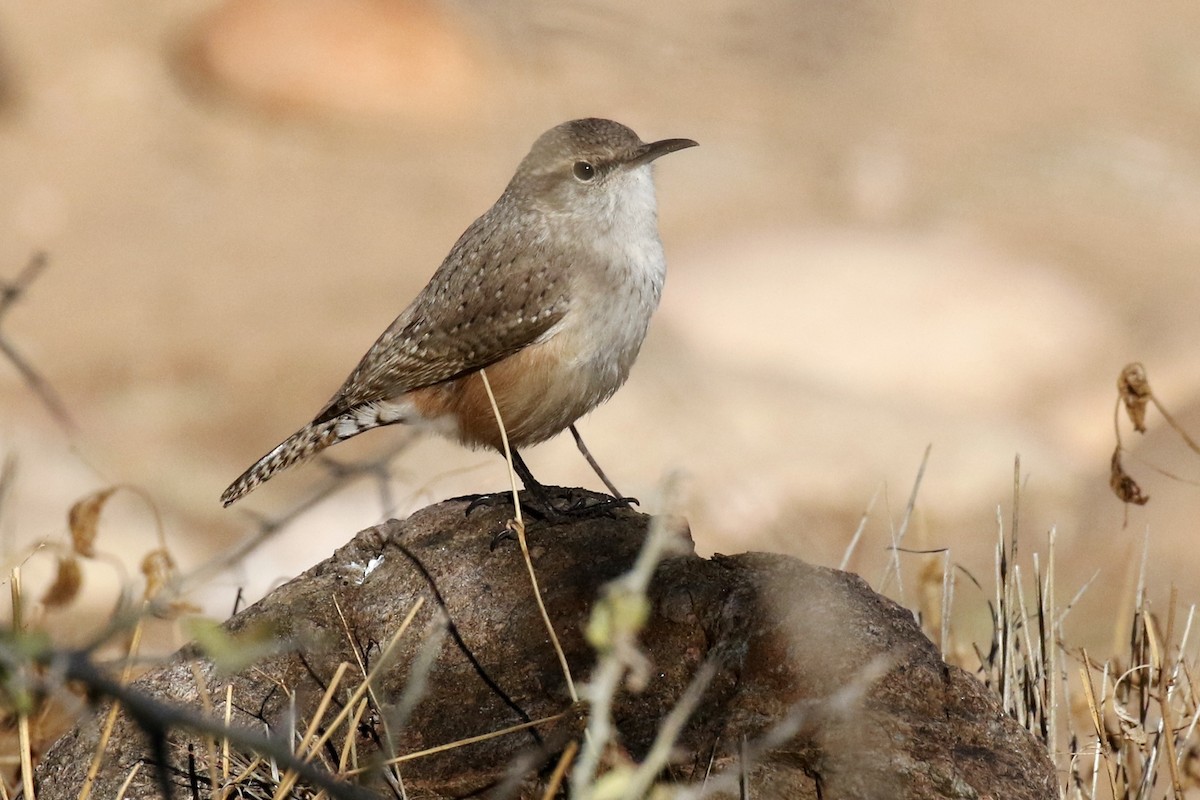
column 926, row 224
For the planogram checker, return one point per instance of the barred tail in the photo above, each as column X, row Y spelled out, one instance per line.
column 300, row 446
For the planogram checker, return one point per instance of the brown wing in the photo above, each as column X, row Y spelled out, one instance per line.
column 492, row 296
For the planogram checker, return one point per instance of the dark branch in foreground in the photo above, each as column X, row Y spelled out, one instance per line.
column 157, row 719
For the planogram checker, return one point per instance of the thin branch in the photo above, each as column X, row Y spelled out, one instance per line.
column 803, row 716
column 616, row 622
column 268, row 527
column 893, row 566
column 10, row 294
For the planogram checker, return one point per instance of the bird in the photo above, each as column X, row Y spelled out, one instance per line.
column 550, row 292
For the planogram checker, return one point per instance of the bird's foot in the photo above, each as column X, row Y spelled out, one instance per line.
column 529, row 505
column 584, row 506
column 571, row 507
column 558, row 504
column 551, row 506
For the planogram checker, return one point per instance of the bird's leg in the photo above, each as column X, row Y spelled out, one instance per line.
column 576, row 506
column 541, row 507
column 540, row 493
column 541, row 498
column 599, row 472
column 595, row 467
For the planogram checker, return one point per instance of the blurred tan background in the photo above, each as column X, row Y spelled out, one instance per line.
column 933, row 223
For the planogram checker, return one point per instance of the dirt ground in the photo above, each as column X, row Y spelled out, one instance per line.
column 906, row 225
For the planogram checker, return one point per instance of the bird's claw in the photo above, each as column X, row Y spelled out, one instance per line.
column 570, row 506
column 499, row 499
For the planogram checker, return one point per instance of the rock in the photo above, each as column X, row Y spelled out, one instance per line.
column 789, row 642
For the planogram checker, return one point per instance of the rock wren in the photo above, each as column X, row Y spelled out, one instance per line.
column 551, row 291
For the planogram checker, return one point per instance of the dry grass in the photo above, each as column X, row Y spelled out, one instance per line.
column 1121, row 726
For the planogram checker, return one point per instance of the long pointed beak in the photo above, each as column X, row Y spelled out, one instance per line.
column 648, row 152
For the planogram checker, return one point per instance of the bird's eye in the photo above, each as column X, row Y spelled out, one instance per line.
column 584, row 171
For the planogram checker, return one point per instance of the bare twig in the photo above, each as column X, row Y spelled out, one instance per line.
column 268, row 527
column 615, row 624
column 858, row 532
column 11, row 293
column 893, row 565
column 669, row 731
column 802, row 717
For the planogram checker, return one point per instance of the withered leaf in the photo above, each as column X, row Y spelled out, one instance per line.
column 157, row 569
column 84, row 521
column 1123, row 486
column 1134, row 390
column 67, row 581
